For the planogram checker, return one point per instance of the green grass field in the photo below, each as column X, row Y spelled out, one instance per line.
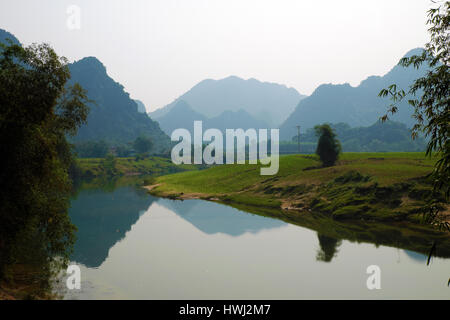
column 368, row 186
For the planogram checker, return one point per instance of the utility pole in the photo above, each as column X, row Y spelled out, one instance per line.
column 298, row 138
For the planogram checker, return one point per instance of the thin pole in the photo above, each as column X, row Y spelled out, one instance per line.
column 298, row 138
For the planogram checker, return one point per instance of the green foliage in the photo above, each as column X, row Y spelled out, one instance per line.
column 95, row 167
column 123, row 150
column 369, row 186
column 328, row 147
column 91, row 149
column 432, row 107
column 37, row 112
column 143, row 144
column 109, row 165
column 352, row 176
column 328, row 248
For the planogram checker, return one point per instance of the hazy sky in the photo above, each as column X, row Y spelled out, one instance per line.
column 159, row 49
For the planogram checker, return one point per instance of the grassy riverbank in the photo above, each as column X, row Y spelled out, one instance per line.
column 362, row 186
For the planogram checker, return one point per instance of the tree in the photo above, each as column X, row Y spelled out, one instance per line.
column 430, row 96
column 123, row 150
column 328, row 248
column 328, row 147
column 109, row 164
column 37, row 112
column 143, row 144
column 91, row 149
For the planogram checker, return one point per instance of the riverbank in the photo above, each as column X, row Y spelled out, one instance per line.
column 383, row 187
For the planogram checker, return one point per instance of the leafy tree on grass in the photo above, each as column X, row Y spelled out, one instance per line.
column 37, row 112
column 109, row 165
column 143, row 144
column 328, row 147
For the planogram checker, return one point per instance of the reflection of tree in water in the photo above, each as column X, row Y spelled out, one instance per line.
column 328, row 248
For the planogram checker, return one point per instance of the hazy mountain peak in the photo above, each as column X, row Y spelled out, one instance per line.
column 414, row 52
column 270, row 102
column 7, row 35
column 357, row 106
column 181, row 105
column 92, row 63
column 330, row 87
column 114, row 117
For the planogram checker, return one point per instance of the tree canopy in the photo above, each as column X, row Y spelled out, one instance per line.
column 37, row 111
column 328, row 147
column 143, row 144
column 431, row 94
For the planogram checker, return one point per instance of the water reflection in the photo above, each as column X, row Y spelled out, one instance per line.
column 417, row 257
column 212, row 218
column 133, row 245
column 328, row 248
column 102, row 219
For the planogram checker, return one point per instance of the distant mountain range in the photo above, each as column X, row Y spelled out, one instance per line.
column 389, row 136
column 182, row 115
column 356, row 106
column 233, row 103
column 264, row 101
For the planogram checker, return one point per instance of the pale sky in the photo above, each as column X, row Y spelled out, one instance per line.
column 159, row 49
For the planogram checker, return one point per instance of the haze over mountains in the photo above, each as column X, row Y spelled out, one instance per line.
column 232, row 103
column 182, row 115
column 269, row 102
column 356, row 106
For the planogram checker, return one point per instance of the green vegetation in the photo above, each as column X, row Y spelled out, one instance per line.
column 432, row 108
column 143, row 144
column 114, row 166
column 362, row 186
column 37, row 111
column 91, row 149
column 328, row 147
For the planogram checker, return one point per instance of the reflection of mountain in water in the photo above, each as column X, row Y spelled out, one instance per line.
column 103, row 219
column 415, row 256
column 210, row 217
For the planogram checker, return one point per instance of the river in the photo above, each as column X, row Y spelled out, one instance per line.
column 135, row 246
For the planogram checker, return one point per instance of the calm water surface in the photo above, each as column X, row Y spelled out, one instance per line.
column 134, row 246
